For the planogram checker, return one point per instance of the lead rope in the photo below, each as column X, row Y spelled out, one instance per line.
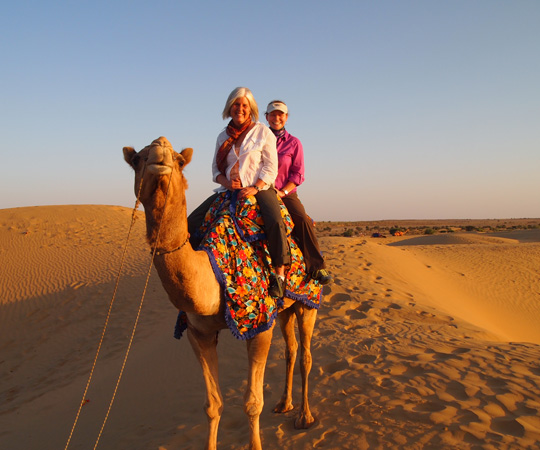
column 83, row 401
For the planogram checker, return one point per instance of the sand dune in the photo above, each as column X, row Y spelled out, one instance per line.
column 422, row 342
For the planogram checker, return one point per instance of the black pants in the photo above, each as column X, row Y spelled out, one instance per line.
column 304, row 233
column 196, row 219
column 274, row 227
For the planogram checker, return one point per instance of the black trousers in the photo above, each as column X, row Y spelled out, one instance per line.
column 274, row 227
column 304, row 233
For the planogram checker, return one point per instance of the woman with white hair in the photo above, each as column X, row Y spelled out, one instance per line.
column 246, row 160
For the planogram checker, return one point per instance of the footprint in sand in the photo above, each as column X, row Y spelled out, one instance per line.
column 429, row 406
column 460, row 350
column 340, row 297
column 366, row 344
column 446, row 415
column 337, row 366
column 364, row 359
column 365, row 306
column 354, row 314
column 458, row 391
column 507, row 426
column 384, row 382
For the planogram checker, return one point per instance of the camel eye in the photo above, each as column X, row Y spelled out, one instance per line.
column 181, row 161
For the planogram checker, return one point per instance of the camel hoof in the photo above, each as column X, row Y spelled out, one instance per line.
column 283, row 407
column 304, row 421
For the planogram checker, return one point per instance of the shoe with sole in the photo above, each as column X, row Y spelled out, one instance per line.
column 322, row 276
column 277, row 287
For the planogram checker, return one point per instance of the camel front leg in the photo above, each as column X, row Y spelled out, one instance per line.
column 205, row 348
column 287, row 321
column 306, row 322
column 257, row 348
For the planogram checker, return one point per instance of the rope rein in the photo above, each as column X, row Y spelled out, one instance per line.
column 153, row 253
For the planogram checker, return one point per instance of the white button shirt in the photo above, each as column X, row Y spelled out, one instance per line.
column 257, row 157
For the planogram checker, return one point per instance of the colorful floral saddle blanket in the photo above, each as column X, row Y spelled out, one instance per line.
column 233, row 236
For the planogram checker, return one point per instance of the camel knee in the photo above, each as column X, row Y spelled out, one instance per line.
column 253, row 408
column 213, row 410
column 307, row 360
column 291, row 352
column 253, row 404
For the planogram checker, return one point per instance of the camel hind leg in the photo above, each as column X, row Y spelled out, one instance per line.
column 205, row 348
column 306, row 322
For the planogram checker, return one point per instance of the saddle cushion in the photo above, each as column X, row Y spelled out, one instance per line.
column 236, row 245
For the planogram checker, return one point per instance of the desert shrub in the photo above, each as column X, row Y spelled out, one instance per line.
column 429, row 231
column 348, row 232
column 396, row 229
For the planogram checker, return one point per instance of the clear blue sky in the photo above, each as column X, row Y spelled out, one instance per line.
column 406, row 109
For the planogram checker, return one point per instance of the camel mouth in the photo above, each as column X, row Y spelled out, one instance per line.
column 159, row 169
column 160, row 160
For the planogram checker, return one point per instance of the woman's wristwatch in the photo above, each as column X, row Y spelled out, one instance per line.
column 257, row 187
column 285, row 191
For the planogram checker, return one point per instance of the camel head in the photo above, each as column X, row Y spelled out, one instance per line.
column 159, row 178
column 159, row 156
column 155, row 162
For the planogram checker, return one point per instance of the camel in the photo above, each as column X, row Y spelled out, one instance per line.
column 188, row 279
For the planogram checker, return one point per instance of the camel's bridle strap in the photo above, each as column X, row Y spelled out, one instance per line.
column 164, row 252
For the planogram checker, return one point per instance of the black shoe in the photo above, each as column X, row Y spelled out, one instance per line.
column 322, row 276
column 277, row 287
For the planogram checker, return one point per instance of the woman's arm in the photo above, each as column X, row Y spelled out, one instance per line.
column 286, row 189
column 269, row 159
column 215, row 171
column 296, row 170
column 251, row 190
column 230, row 185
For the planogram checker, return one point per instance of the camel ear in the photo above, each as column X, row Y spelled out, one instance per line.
column 129, row 154
column 187, row 153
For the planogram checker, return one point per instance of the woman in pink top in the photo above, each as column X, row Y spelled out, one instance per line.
column 290, row 176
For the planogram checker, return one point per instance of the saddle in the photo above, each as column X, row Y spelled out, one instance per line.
column 233, row 236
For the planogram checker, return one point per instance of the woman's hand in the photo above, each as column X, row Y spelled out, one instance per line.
column 235, row 184
column 229, row 185
column 247, row 192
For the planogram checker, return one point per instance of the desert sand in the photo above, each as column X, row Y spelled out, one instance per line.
column 422, row 342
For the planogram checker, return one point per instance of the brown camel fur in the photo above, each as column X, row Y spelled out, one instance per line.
column 190, row 283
